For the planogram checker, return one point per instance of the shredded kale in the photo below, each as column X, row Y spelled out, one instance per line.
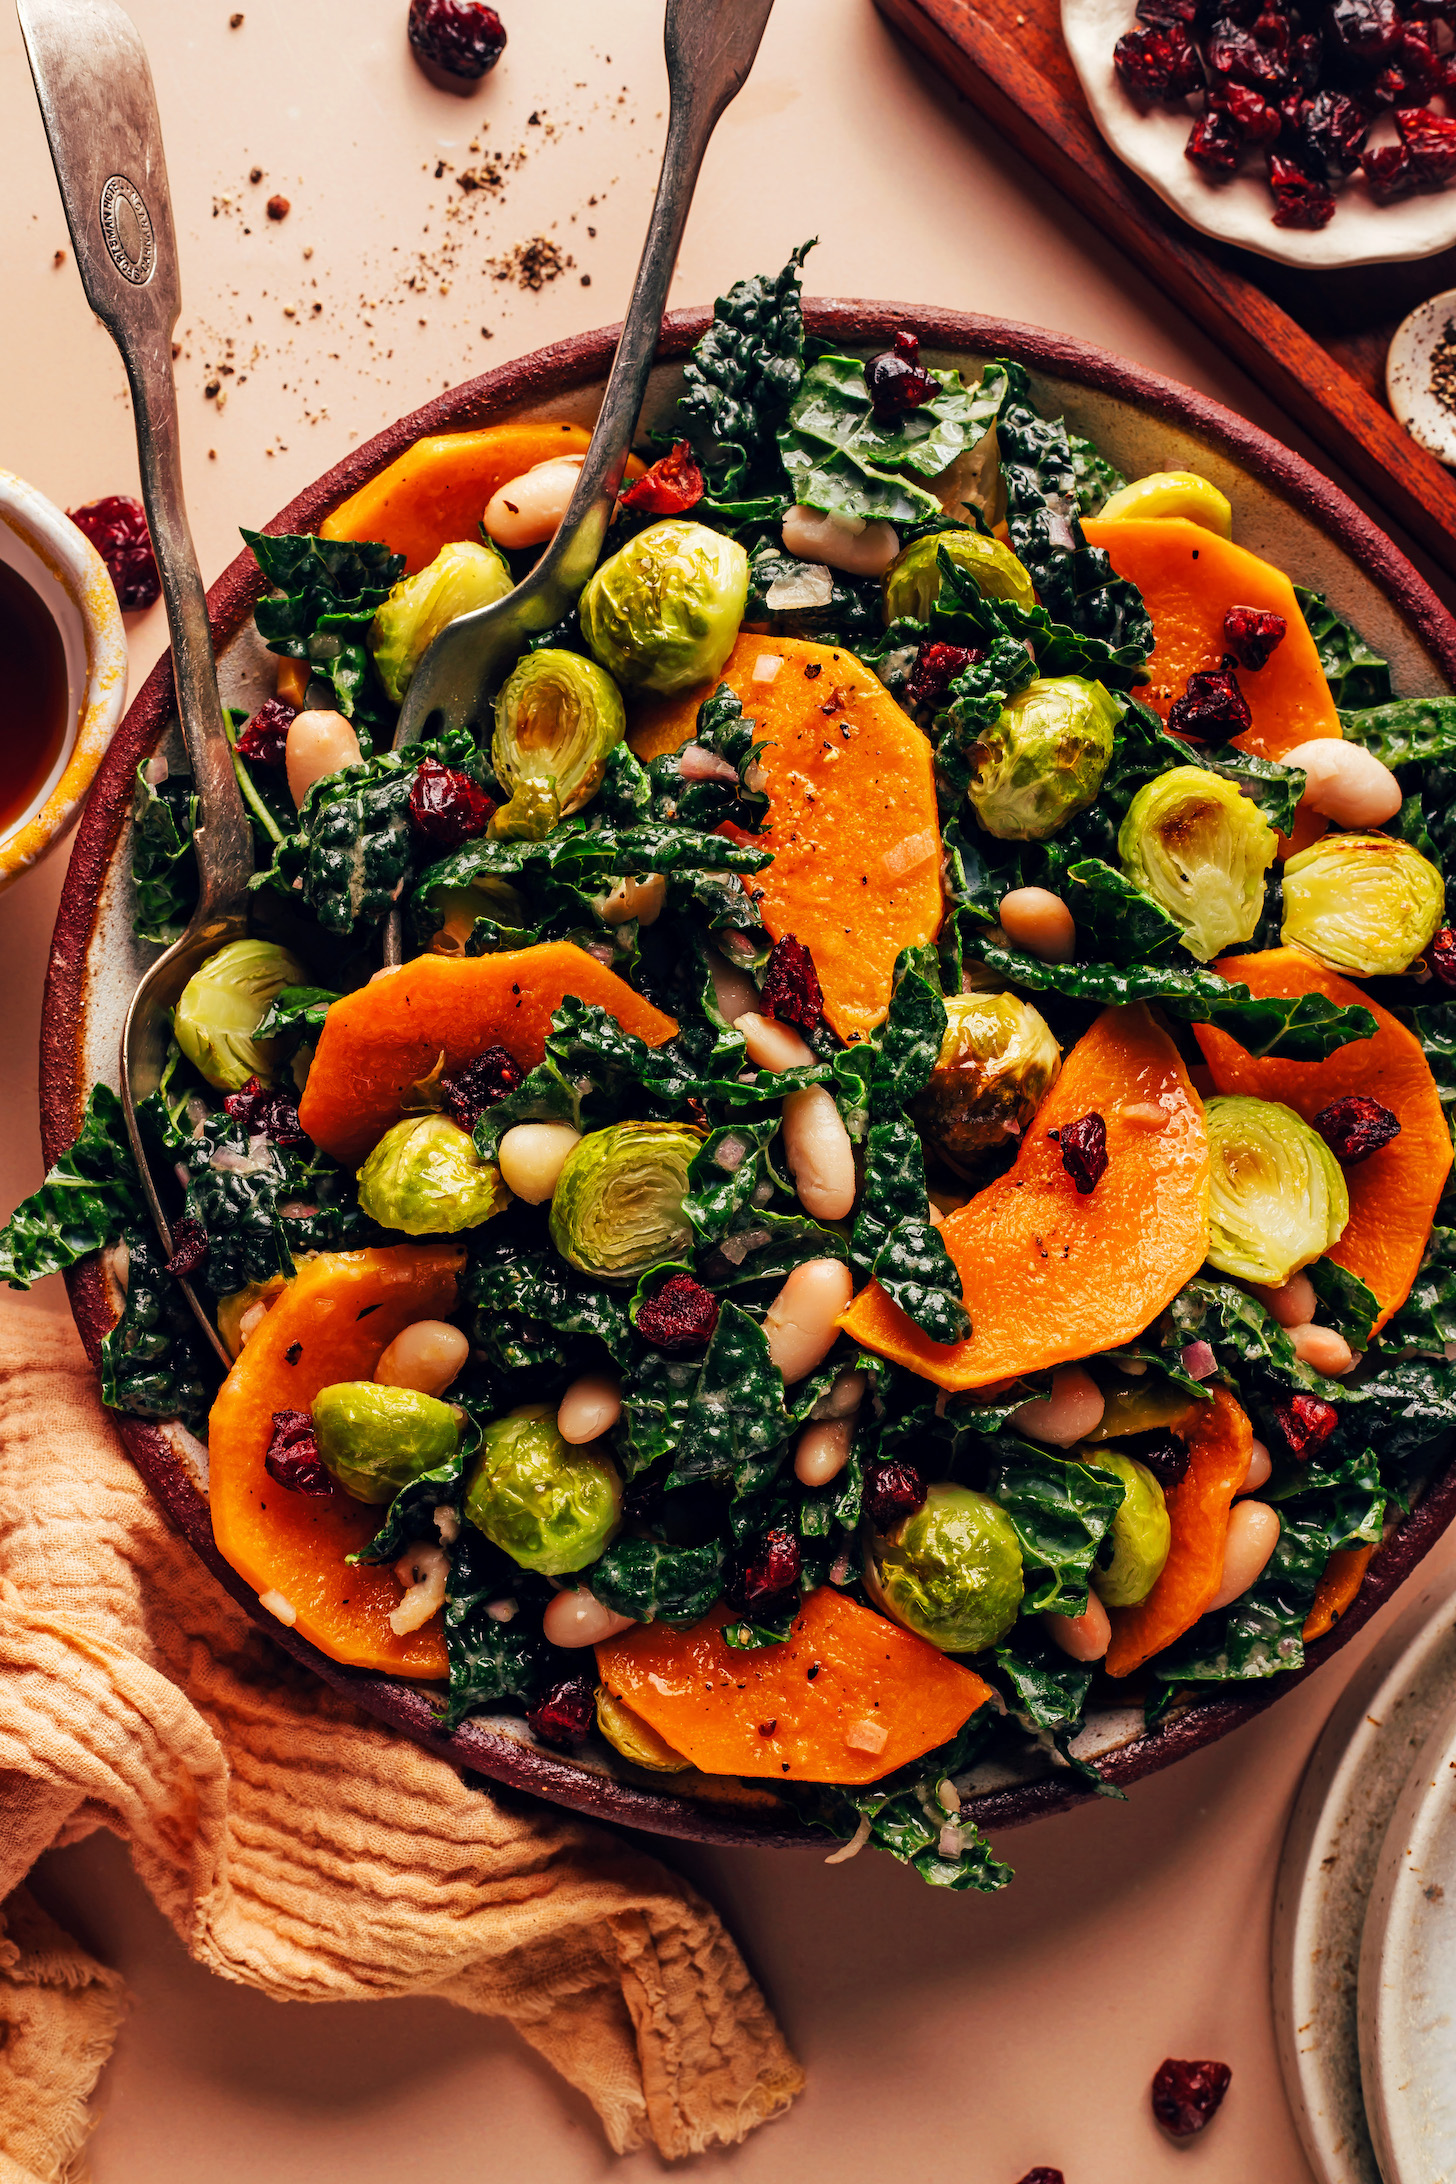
column 740, row 380
column 1062, row 1513
column 411, row 1514
column 656, row 1583
column 87, row 1200
column 1357, row 676
column 164, row 875
column 325, row 595
column 152, row 1360
column 842, row 458
column 490, row 1661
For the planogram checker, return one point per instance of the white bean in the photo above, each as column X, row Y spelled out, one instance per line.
column 1294, row 1305
column 318, row 744
column 525, row 511
column 1035, row 919
column 1322, row 1348
column 1086, row 1636
column 839, row 542
column 843, row 1399
column 640, row 899
column 1068, row 1414
column 1253, row 1535
column 1345, row 782
column 772, row 1045
column 823, row 1451
column 532, row 1155
column 1260, row 1466
column 802, row 1321
column 427, row 1356
column 422, row 1571
column 733, row 989
column 590, row 1407
column 819, row 1153
column 575, row 1617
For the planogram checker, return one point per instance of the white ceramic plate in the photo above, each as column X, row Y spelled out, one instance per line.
column 1408, row 375
column 1241, row 209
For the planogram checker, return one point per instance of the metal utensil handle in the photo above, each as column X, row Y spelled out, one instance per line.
column 100, row 113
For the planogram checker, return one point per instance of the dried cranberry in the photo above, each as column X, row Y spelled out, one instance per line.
column 791, row 991
column 1157, row 65
column 1271, row 30
column 293, row 1458
column 1165, row 13
column 1431, row 142
column 936, row 668
column 264, row 741
column 1186, row 2096
column 1441, row 955
column 1256, row 121
column 1213, row 142
column 1300, row 200
column 1212, row 709
column 1355, row 1126
column 1252, row 635
column 1364, row 30
column 564, row 1714
column 892, row 1491
column 459, row 37
column 1236, row 56
column 1305, row 58
column 1043, row 2176
column 189, row 1246
column 1419, row 67
column 268, row 1109
column 117, row 528
column 447, row 808
column 468, row 1091
column 1331, row 130
column 763, row 1576
column 672, row 485
column 1305, row 1423
column 1160, row 1451
column 1084, row 1151
column 1389, row 173
column 897, row 379
column 679, row 1317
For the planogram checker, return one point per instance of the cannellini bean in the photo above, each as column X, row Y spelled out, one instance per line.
column 733, row 989
column 1253, row 1535
column 575, row 1617
column 532, row 1155
column 318, row 744
column 525, row 511
column 772, row 1045
column 801, row 1323
column 1260, row 1466
column 422, row 1571
column 1087, row 1636
column 819, row 1153
column 1322, row 1348
column 839, row 542
column 427, row 1356
column 1035, row 919
column 1294, row 1305
column 823, row 1451
column 1068, row 1414
column 843, row 1399
column 640, row 899
column 590, row 1407
column 1345, row 782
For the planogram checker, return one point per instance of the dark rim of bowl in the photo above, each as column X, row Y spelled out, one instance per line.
column 542, row 376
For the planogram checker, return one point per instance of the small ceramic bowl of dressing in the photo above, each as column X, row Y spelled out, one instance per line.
column 63, row 677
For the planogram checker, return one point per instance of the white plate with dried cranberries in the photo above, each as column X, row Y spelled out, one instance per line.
column 1318, row 136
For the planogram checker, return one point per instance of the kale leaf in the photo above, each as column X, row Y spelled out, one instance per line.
column 163, row 871
column 842, row 458
column 656, row 1583
column 152, row 1360
column 325, row 595
column 411, row 1514
column 1427, row 1319
column 88, row 1198
column 1358, row 678
column 1406, row 732
column 740, row 380
column 489, row 1660
column 1062, row 1513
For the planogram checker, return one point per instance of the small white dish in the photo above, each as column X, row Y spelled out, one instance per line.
column 1408, row 375
column 1241, row 209
column 45, row 549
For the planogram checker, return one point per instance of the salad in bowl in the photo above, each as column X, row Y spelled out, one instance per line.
column 898, row 1198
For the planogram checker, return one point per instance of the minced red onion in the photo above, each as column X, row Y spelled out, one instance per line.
column 1199, row 1361
column 695, row 763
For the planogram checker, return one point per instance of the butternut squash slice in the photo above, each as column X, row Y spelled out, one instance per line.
column 1049, row 1275
column 333, row 1322
column 1340, row 1580
column 1220, row 1441
column 848, row 1697
column 378, row 1042
column 1393, row 1194
column 1189, row 578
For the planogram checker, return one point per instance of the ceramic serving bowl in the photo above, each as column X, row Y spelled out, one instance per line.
column 1285, row 510
column 61, row 565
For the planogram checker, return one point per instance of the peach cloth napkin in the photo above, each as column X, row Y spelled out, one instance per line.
column 294, row 1844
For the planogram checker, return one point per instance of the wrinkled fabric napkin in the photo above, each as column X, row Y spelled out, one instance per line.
column 295, row 1845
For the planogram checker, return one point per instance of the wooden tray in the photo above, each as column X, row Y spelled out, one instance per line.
column 1315, row 341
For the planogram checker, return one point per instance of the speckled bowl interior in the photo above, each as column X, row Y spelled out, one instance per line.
column 1284, row 510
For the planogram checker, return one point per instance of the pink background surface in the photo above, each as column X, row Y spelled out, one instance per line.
column 943, row 2036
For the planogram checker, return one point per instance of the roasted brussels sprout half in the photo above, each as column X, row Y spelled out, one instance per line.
column 1137, row 1542
column 462, row 577
column 618, row 1204
column 374, row 1439
column 1363, row 903
column 1043, row 759
column 426, row 1178
column 951, row 1572
column 222, row 1005
column 663, row 613
column 1277, row 1196
column 636, row 1739
column 556, row 719
column 1199, row 848
column 459, row 909
column 912, row 581
column 996, row 1065
column 549, row 1506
